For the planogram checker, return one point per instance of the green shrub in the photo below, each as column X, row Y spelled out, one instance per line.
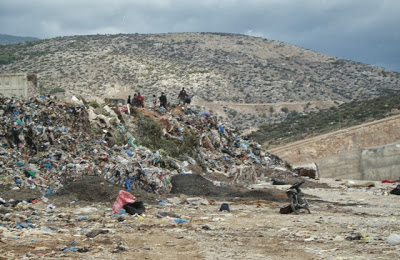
column 56, row 90
column 150, row 135
column 7, row 58
column 233, row 113
column 94, row 104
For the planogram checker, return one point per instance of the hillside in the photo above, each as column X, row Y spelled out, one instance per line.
column 70, row 172
column 10, row 39
column 298, row 126
column 226, row 68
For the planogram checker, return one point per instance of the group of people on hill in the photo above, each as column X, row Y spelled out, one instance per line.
column 138, row 100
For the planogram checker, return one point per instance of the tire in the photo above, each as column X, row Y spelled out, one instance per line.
column 306, row 205
column 294, row 205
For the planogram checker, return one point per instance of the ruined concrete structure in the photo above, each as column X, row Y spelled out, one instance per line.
column 17, row 84
column 366, row 152
column 375, row 164
column 14, row 85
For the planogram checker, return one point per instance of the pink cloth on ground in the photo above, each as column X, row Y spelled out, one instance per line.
column 124, row 198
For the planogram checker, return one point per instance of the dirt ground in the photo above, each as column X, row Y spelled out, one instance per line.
column 345, row 223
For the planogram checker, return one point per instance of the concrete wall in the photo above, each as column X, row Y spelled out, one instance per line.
column 361, row 137
column 377, row 163
column 14, row 85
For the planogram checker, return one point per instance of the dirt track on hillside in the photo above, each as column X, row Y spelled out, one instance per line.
column 217, row 106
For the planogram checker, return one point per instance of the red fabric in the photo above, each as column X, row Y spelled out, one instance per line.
column 387, row 181
column 124, row 198
column 140, row 98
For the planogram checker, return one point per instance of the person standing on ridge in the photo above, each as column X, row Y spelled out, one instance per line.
column 134, row 101
column 182, row 96
column 163, row 100
column 154, row 101
column 140, row 100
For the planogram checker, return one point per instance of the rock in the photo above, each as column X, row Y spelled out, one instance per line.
column 394, row 239
column 197, row 201
column 97, row 232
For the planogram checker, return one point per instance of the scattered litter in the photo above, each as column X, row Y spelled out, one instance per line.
column 122, row 199
column 396, row 191
column 180, row 221
column 71, row 249
column 162, row 203
column 136, row 207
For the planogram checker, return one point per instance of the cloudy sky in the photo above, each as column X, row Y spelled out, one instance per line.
column 367, row 31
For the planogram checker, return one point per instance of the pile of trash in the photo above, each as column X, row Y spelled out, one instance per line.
column 45, row 142
column 221, row 147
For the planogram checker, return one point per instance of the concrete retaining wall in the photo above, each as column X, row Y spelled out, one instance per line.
column 361, row 137
column 377, row 163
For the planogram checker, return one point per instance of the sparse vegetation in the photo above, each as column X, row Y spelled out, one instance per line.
column 8, row 57
column 150, row 133
column 233, row 113
column 233, row 70
column 94, row 104
column 296, row 126
column 56, row 90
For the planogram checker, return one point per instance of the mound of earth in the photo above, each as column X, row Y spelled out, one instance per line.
column 96, row 189
column 196, row 185
column 7, row 193
column 93, row 189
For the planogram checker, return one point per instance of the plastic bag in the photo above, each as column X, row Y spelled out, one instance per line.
column 123, row 198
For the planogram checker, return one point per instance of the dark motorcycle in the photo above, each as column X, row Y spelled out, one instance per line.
column 296, row 199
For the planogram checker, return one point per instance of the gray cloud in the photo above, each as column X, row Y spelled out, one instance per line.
column 359, row 30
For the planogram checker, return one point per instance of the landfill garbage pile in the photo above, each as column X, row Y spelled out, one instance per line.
column 45, row 142
column 221, row 148
column 85, row 157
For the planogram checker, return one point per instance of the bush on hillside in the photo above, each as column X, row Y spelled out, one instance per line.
column 150, row 135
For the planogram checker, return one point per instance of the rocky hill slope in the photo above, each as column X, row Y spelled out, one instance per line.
column 228, row 68
column 10, row 39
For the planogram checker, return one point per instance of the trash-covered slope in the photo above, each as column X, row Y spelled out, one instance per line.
column 45, row 143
